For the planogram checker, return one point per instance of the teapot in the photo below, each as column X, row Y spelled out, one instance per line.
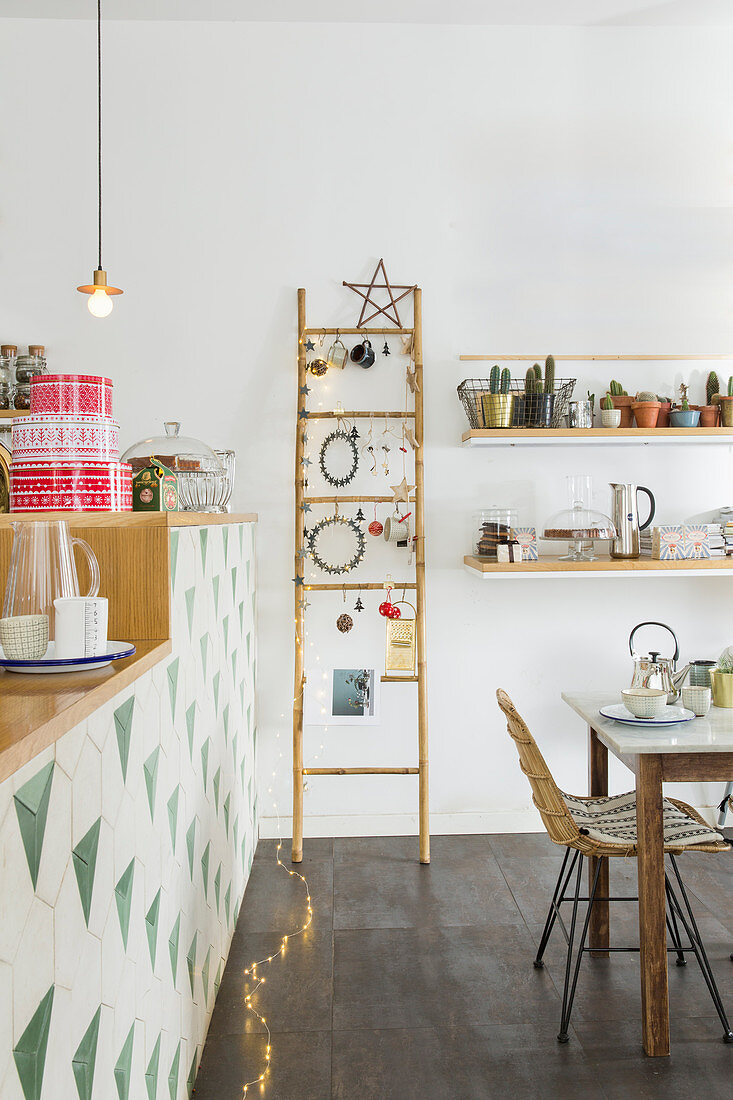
column 654, row 671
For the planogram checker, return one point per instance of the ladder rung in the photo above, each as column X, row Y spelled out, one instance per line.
column 357, row 331
column 370, row 587
column 399, row 679
column 363, row 499
column 361, row 771
column 355, row 414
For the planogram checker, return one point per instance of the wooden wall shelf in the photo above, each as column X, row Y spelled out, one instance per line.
column 547, row 437
column 9, row 414
column 603, row 566
column 596, row 358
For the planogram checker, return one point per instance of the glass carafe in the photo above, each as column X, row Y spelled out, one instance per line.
column 42, row 569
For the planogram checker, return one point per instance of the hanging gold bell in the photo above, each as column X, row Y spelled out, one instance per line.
column 401, row 637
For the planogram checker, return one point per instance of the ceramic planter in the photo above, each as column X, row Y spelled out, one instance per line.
column 538, row 409
column 684, row 418
column 664, row 410
column 646, row 413
column 722, row 685
column 519, row 414
column 726, row 411
column 498, row 409
column 611, row 418
column 708, row 416
column 624, row 404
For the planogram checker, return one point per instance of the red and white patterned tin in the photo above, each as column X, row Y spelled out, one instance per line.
column 70, row 487
column 47, row 437
column 79, row 394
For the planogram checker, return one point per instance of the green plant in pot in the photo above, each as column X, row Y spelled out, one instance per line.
column 623, row 402
column 665, row 408
column 539, row 399
column 610, row 417
column 682, row 416
column 646, row 409
column 726, row 406
column 721, row 680
column 710, row 411
column 498, row 403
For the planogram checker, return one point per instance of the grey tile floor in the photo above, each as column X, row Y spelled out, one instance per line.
column 416, row 983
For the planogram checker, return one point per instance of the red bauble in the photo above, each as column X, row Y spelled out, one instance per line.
column 375, row 528
column 395, row 612
column 385, row 609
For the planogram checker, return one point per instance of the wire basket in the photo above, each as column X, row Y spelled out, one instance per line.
column 471, row 390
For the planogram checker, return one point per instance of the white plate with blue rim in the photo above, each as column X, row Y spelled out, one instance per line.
column 670, row 716
column 116, row 651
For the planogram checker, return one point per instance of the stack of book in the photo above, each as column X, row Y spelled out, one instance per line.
column 726, row 521
column 679, row 541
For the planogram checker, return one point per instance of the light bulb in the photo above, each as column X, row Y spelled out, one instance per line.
column 99, row 304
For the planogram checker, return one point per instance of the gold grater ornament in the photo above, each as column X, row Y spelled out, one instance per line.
column 401, row 635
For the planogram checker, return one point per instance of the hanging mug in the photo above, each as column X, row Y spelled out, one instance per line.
column 337, row 354
column 363, row 353
column 397, row 529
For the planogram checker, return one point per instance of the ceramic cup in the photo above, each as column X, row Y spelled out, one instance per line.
column 363, row 354
column 81, row 626
column 644, row 702
column 24, row 637
column 611, row 418
column 700, row 673
column 697, row 699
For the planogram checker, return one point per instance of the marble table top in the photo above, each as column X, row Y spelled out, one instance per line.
column 713, row 733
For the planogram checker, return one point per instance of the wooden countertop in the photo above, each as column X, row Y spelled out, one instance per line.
column 36, row 710
column 134, row 519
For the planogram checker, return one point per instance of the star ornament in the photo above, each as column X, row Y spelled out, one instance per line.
column 402, row 491
column 389, row 310
column 309, row 345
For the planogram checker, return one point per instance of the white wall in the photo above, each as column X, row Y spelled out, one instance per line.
column 550, row 189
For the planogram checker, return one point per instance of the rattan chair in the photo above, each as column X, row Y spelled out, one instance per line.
column 606, row 826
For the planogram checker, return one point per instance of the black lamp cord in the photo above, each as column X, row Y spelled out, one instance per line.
column 99, row 127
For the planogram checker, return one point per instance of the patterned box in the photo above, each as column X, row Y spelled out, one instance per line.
column 696, row 541
column 668, row 542
column 527, row 539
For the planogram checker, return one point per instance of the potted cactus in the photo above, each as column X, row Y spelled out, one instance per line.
column 622, row 401
column 710, row 410
column 498, row 403
column 664, row 410
column 610, row 417
column 726, row 406
column 646, row 409
column 682, row 416
column 539, row 399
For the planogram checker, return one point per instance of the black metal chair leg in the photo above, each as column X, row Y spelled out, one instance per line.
column 557, row 897
column 674, row 933
column 567, row 1007
column 562, row 1036
column 698, row 947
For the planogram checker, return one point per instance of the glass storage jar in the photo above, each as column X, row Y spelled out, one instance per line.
column 32, row 363
column 201, row 473
column 22, row 396
column 490, row 528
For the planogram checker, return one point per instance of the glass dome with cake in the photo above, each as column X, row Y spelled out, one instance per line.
column 202, row 476
column 579, row 524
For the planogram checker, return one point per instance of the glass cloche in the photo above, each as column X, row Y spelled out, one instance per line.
column 202, row 476
column 580, row 525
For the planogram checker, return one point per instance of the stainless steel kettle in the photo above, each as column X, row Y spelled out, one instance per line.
column 654, row 671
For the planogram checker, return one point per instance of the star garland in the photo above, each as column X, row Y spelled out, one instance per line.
column 331, row 521
column 338, row 482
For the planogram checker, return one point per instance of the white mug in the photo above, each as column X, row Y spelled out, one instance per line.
column 81, row 626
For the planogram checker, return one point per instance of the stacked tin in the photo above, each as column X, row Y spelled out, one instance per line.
column 66, row 451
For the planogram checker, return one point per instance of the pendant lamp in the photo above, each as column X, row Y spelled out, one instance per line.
column 100, row 300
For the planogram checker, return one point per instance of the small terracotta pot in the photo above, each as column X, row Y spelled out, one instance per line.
column 646, row 413
column 664, row 411
column 708, row 416
column 726, row 411
column 624, row 403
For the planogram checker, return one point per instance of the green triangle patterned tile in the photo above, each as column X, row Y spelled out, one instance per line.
column 217, row 781
column 85, row 1058
column 150, row 768
column 191, row 1079
column 204, row 644
column 227, row 802
column 228, row 900
column 173, row 813
column 226, row 723
column 123, row 1066
column 190, row 597
column 225, row 630
column 205, row 977
column 217, row 681
column 205, row 869
column 123, row 728
column 234, row 665
column 234, row 749
column 84, row 857
column 225, row 540
column 241, row 693
column 234, row 584
column 205, row 760
column 173, row 1075
column 217, row 886
column 249, row 792
column 190, row 726
column 204, row 539
column 31, row 808
column 191, row 960
column 173, row 941
column 172, row 672
column 246, row 567
column 217, row 980
column 244, row 761
column 151, row 928
column 190, row 843
column 241, row 616
column 174, row 557
column 151, row 1073
column 123, row 899
column 215, row 590
column 249, row 645
column 235, row 830
column 241, row 535
column 30, row 1051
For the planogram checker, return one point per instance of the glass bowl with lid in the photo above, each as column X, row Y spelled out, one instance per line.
column 202, row 476
column 580, row 525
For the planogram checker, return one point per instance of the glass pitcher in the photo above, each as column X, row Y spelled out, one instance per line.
column 42, row 569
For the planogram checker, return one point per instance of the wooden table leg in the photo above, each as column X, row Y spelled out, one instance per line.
column 599, row 928
column 652, row 929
